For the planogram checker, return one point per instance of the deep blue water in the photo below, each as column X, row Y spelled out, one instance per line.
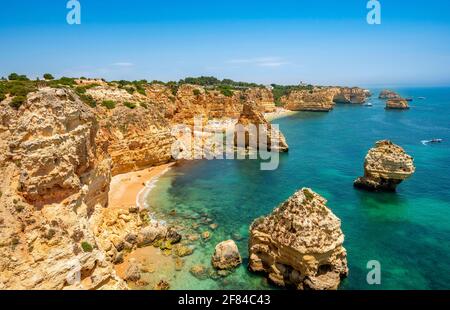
column 408, row 232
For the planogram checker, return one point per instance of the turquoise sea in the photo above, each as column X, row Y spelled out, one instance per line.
column 408, row 232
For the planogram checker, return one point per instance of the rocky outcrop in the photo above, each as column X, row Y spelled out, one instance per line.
column 317, row 100
column 388, row 94
column 251, row 116
column 353, row 95
column 299, row 244
column 397, row 104
column 262, row 97
column 55, row 184
column 226, row 256
column 385, row 167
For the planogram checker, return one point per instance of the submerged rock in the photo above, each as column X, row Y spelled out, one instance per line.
column 226, row 255
column 133, row 272
column 199, row 271
column 162, row 285
column 386, row 166
column 299, row 244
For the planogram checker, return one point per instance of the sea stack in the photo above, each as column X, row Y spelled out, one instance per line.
column 385, row 167
column 299, row 244
column 252, row 116
column 352, row 95
column 389, row 94
column 397, row 104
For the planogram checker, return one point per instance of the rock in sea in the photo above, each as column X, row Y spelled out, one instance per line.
column 226, row 256
column 386, row 166
column 299, row 244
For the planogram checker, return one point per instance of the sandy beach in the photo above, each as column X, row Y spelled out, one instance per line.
column 129, row 189
column 279, row 113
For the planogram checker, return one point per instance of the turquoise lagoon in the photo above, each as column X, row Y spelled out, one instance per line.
column 408, row 232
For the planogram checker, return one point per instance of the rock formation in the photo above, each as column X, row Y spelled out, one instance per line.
column 299, row 244
column 251, row 116
column 398, row 104
column 319, row 100
column 388, row 94
column 226, row 256
column 386, row 166
column 55, row 184
column 353, row 95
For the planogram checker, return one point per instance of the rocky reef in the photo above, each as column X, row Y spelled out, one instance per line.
column 385, row 167
column 252, row 116
column 317, row 100
column 300, row 244
column 397, row 104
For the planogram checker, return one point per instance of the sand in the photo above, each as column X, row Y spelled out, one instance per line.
column 130, row 189
column 279, row 113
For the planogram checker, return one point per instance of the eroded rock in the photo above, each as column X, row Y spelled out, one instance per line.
column 226, row 255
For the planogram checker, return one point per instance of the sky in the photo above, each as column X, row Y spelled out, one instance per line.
column 325, row 42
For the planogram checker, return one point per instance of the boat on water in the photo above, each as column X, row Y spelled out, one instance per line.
column 368, row 104
column 426, row 142
column 421, row 98
column 409, row 99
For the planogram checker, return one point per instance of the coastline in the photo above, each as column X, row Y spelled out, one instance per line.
column 279, row 113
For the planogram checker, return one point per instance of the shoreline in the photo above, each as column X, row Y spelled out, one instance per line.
column 130, row 189
column 278, row 113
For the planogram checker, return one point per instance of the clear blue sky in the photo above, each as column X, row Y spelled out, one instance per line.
column 285, row 41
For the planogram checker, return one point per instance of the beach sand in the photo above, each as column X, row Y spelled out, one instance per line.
column 279, row 113
column 129, row 189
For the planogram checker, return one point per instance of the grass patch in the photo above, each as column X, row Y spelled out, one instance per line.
column 130, row 105
column 109, row 104
column 86, row 246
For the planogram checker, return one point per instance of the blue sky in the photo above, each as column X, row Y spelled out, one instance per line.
column 286, row 41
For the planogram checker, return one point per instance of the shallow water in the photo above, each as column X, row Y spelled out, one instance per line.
column 408, row 232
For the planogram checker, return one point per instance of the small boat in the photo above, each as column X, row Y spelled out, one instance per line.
column 425, row 142
column 422, row 98
column 409, row 99
column 368, row 104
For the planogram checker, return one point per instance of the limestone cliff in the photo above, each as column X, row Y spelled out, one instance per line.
column 55, row 183
column 252, row 116
column 299, row 244
column 353, row 95
column 319, row 100
column 388, row 94
column 386, row 165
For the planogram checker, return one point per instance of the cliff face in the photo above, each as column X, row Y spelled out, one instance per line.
column 55, row 183
column 386, row 165
column 299, row 244
column 262, row 97
column 252, row 116
column 320, row 100
column 354, row 95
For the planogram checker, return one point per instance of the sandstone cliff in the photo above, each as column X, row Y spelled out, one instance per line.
column 251, row 116
column 386, row 165
column 320, row 100
column 55, row 183
column 299, row 244
column 353, row 95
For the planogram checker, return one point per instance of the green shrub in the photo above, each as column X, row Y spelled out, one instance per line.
column 2, row 97
column 109, row 104
column 130, row 105
column 16, row 77
column 88, row 99
column 141, row 91
column 226, row 91
column 17, row 101
column 48, row 76
column 130, row 90
column 144, row 105
column 86, row 246
column 196, row 92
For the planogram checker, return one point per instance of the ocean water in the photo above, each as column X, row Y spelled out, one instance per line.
column 408, row 232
